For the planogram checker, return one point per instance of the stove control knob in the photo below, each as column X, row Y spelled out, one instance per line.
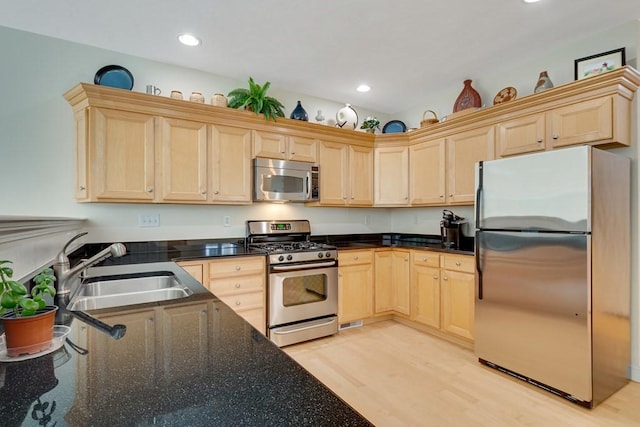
column 281, row 258
column 320, row 255
column 328, row 255
column 289, row 257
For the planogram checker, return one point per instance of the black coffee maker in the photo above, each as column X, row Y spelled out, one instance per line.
column 451, row 229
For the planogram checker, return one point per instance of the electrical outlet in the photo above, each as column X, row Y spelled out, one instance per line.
column 367, row 219
column 149, row 220
column 226, row 221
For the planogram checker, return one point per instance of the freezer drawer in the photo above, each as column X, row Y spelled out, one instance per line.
column 532, row 307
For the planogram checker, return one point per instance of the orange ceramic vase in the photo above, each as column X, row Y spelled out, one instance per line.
column 29, row 335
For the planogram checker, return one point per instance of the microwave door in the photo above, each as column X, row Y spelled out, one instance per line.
column 283, row 185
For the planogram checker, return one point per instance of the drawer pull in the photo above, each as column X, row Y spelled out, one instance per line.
column 424, row 258
column 237, row 285
column 238, row 303
column 355, row 258
column 458, row 263
column 237, row 268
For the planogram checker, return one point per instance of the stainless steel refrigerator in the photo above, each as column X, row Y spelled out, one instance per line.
column 553, row 270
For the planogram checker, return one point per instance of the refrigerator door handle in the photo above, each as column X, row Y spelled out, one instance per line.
column 479, row 193
column 478, row 269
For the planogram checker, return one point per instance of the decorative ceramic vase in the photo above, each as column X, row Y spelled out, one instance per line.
column 299, row 113
column 219, row 100
column 544, row 83
column 176, row 94
column 196, row 97
column 319, row 117
column 468, row 98
column 347, row 118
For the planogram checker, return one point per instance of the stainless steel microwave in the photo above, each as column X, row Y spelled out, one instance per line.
column 285, row 181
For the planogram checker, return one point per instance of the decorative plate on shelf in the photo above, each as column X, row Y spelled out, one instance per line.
column 114, row 76
column 394, row 126
column 505, row 95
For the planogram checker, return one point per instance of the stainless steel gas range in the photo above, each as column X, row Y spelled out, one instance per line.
column 302, row 292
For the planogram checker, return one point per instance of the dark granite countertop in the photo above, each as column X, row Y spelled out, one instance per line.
column 192, row 361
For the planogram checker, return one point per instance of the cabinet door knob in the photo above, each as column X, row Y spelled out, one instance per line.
column 435, row 276
column 82, row 188
column 539, row 140
column 424, row 258
column 203, row 192
column 555, row 137
column 445, row 278
column 458, row 263
column 450, row 194
column 149, row 189
column 216, row 192
column 406, row 259
column 355, row 258
column 293, row 153
column 442, row 196
column 238, row 303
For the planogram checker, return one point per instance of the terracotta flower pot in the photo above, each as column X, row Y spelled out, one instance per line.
column 29, row 335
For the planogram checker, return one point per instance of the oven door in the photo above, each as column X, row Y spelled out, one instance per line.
column 302, row 294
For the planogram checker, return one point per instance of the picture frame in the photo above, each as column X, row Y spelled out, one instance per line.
column 599, row 63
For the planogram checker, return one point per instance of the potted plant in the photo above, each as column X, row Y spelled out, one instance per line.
column 255, row 99
column 27, row 319
column 370, row 124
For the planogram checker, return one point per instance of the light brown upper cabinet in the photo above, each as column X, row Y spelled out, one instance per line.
column 279, row 146
column 121, row 164
column 464, row 150
column 346, row 174
column 230, row 165
column 391, row 176
column 427, row 173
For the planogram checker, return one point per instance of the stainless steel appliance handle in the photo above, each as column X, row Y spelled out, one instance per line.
column 478, row 269
column 308, row 185
column 477, row 237
column 293, row 331
column 302, row 266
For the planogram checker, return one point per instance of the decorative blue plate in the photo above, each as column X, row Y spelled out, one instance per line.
column 114, row 76
column 394, row 126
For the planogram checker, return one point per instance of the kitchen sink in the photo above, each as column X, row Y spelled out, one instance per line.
column 128, row 289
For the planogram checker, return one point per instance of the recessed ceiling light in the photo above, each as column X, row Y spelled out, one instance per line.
column 188, row 39
column 531, row 1
column 363, row 88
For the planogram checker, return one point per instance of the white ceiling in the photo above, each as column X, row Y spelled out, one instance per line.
column 403, row 48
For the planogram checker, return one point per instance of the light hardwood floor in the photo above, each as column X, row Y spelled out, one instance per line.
column 397, row 376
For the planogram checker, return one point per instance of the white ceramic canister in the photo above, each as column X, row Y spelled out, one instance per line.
column 219, row 100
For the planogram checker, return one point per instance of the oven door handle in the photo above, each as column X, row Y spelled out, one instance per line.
column 293, row 331
column 302, row 266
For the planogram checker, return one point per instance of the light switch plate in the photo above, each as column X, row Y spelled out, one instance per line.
column 226, row 221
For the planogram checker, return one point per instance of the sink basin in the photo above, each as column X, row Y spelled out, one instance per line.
column 131, row 289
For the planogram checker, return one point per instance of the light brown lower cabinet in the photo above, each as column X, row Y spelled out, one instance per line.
column 240, row 282
column 392, row 281
column 443, row 292
column 355, row 285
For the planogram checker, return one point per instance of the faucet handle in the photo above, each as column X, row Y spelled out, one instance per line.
column 62, row 256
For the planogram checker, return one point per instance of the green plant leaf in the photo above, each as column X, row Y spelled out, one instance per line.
column 17, row 288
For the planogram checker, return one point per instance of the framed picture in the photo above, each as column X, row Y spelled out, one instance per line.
column 598, row 64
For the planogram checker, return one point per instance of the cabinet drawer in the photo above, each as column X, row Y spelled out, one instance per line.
column 242, row 302
column 236, row 285
column 463, row 263
column 255, row 317
column 236, row 267
column 426, row 259
column 355, row 257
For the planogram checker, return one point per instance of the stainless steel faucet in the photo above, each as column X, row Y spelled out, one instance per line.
column 65, row 274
